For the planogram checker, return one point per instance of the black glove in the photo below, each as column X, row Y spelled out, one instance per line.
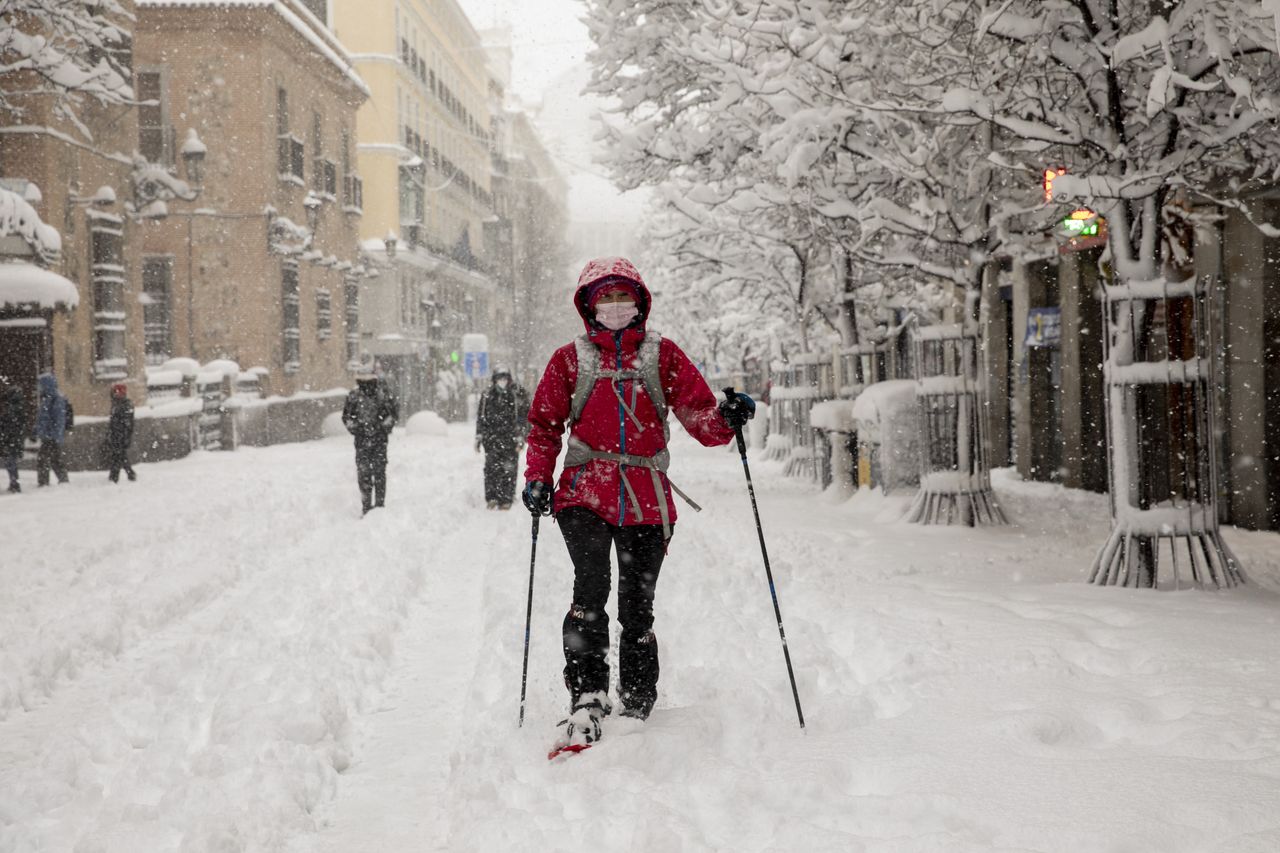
column 738, row 409
column 537, row 498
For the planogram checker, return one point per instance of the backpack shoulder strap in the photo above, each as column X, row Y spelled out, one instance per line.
column 651, row 372
column 588, row 371
column 649, row 367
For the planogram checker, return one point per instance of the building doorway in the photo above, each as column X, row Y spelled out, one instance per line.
column 23, row 349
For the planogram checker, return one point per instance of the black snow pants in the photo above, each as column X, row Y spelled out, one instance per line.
column 586, row 626
column 50, row 456
column 371, row 470
column 117, row 458
column 500, row 474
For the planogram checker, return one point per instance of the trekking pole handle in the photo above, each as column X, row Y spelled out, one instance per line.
column 730, row 394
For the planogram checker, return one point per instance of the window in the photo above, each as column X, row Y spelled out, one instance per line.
column 351, row 288
column 290, row 152
column 289, row 304
column 157, row 320
column 282, row 111
column 298, row 155
column 330, row 172
column 352, row 194
column 317, row 149
column 412, row 199
column 290, row 159
column 110, row 359
column 324, row 315
column 155, row 137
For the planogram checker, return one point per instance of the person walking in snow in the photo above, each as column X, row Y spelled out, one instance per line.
column 501, row 425
column 51, row 429
column 13, row 431
column 370, row 413
column 612, row 389
column 119, row 434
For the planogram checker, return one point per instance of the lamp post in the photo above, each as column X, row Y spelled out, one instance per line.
column 193, row 154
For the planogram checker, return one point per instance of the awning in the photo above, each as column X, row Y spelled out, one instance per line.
column 23, row 283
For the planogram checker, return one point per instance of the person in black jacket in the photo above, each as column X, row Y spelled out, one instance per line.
column 369, row 415
column 13, row 431
column 120, row 434
column 501, row 425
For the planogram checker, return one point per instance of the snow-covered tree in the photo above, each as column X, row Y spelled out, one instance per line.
column 684, row 130
column 62, row 53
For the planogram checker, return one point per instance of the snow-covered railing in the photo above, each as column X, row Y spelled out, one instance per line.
column 1161, row 385
column 802, row 392
column 955, row 475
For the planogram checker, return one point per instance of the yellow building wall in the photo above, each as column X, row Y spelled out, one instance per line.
column 448, row 44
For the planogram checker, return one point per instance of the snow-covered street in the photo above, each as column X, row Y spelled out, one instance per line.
column 223, row 656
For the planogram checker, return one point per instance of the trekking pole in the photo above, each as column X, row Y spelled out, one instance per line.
column 764, row 552
column 528, row 619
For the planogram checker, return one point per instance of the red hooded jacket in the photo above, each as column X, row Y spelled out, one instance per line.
column 604, row 425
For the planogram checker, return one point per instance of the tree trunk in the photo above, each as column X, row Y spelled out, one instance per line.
column 1159, row 372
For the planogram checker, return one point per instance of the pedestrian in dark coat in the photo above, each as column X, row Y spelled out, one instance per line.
column 13, row 431
column 613, row 492
column 369, row 415
column 501, row 425
column 120, row 434
column 51, row 429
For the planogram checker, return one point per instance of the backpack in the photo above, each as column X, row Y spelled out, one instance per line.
column 646, row 372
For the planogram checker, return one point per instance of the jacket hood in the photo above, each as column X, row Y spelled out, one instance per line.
column 48, row 384
column 611, row 267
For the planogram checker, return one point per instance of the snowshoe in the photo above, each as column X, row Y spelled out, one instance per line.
column 636, row 712
column 581, row 729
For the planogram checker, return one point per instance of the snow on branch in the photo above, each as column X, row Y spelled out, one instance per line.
column 67, row 51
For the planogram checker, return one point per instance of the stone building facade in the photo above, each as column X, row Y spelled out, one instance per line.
column 261, row 268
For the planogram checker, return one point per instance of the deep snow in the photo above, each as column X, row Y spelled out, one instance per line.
column 223, row 656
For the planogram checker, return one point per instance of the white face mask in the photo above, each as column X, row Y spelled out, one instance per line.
column 502, row 383
column 616, row 315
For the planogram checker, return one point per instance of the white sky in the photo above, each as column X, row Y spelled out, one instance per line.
column 548, row 38
column 550, row 45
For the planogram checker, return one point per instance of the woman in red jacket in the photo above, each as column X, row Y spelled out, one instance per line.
column 612, row 389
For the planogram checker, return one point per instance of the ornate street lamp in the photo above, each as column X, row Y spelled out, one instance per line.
column 193, row 153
